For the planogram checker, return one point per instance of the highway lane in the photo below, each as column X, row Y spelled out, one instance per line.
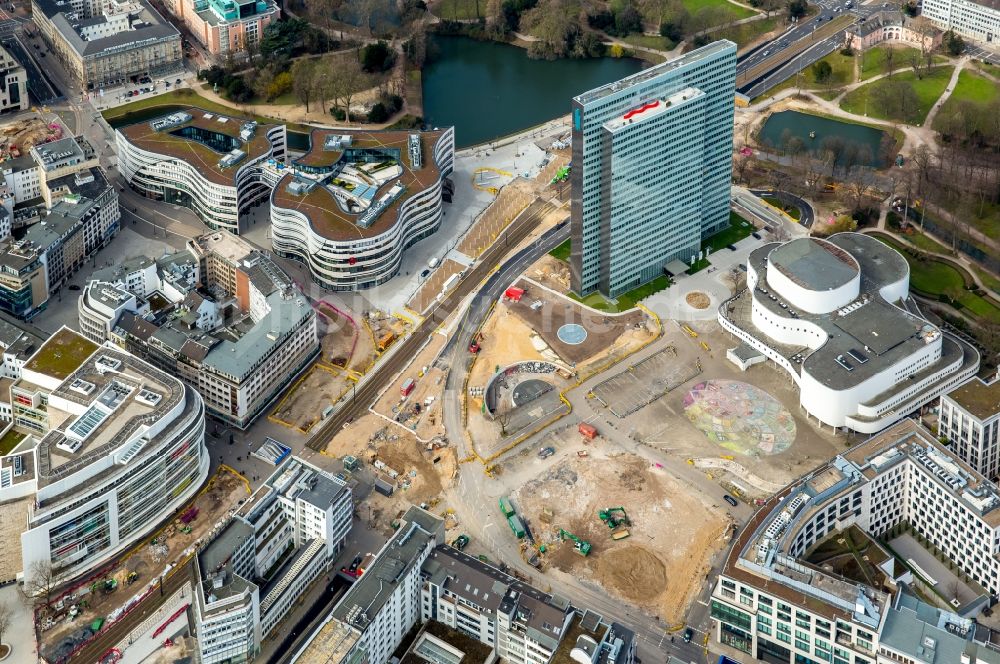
column 369, row 387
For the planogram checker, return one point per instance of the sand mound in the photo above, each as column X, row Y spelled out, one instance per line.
column 633, row 571
column 698, row 300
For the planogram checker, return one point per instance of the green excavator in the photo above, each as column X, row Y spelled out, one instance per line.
column 616, row 519
column 580, row 546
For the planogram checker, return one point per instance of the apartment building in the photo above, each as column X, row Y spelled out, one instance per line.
column 652, row 157
column 13, row 83
column 969, row 420
column 522, row 624
column 221, row 316
column 109, row 43
column 774, row 602
column 37, row 266
column 266, row 558
column 417, row 578
column 176, row 158
column 381, row 606
column 837, row 316
column 979, row 21
column 112, row 447
column 225, row 27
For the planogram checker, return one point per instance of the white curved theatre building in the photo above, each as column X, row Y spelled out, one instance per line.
column 355, row 201
column 837, row 315
column 211, row 163
column 113, row 447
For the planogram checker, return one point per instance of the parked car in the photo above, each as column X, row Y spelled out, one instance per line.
column 729, row 499
column 461, row 542
column 546, row 452
column 74, row 287
column 354, row 563
column 423, row 275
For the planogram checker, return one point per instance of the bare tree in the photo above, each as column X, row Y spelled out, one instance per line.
column 743, row 163
column 890, row 55
column 40, row 582
column 303, row 82
column 6, row 615
column 345, row 81
column 860, row 183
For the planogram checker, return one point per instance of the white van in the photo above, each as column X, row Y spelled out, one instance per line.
column 432, row 263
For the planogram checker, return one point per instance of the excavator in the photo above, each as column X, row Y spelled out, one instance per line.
column 580, row 546
column 616, row 518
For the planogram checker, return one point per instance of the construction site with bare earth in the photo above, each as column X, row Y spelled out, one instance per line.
column 652, row 550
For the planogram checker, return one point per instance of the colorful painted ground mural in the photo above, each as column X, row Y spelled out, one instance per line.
column 740, row 417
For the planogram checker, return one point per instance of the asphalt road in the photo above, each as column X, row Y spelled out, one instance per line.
column 753, row 81
column 406, row 348
column 808, row 215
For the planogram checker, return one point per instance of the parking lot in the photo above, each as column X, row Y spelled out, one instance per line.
column 644, row 382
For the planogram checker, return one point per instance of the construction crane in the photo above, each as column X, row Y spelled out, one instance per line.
column 580, row 546
column 614, row 517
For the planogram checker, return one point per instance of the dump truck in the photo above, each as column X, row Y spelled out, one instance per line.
column 506, row 507
column 588, row 431
column 620, row 533
column 385, row 340
column 516, row 525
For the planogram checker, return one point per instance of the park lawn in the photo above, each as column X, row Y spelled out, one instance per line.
column 927, row 91
column 937, row 278
column 971, row 87
column 842, row 73
column 990, row 281
column 739, row 228
column 921, row 241
column 790, row 210
column 458, row 10
column 739, row 12
column 650, row 41
column 562, row 251
column 871, row 63
column 629, row 299
column 745, row 33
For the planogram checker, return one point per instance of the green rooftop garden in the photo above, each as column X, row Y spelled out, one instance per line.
column 62, row 354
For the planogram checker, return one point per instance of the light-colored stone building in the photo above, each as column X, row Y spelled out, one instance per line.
column 109, row 43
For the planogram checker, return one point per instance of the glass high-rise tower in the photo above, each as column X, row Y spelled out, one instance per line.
column 652, row 159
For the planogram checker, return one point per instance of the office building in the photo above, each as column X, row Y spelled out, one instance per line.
column 775, row 601
column 211, row 163
column 221, row 316
column 413, row 580
column 969, row 420
column 83, row 219
column 356, row 200
column 837, row 316
column 109, row 43
column 112, row 447
column 347, row 208
column 652, row 163
column 225, row 27
column 978, row 21
column 247, row 579
column 13, row 83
